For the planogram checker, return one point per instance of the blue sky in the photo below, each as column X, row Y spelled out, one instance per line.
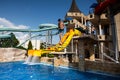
column 31, row 13
column 34, row 12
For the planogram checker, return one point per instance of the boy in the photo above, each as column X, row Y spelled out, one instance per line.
column 61, row 29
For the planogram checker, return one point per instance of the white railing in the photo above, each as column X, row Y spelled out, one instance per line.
column 108, row 56
column 105, row 55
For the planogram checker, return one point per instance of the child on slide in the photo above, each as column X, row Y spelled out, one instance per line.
column 60, row 29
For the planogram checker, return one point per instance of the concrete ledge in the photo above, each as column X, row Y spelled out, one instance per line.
column 107, row 67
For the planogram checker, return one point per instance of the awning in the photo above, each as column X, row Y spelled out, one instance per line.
column 102, row 6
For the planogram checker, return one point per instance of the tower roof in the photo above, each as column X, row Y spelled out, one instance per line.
column 74, row 7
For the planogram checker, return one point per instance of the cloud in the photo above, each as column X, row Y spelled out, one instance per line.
column 19, row 35
column 6, row 23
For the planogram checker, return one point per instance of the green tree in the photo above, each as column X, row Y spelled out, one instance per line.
column 30, row 45
column 14, row 40
column 42, row 45
column 9, row 42
column 5, row 42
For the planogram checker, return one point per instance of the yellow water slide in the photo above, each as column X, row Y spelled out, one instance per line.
column 65, row 40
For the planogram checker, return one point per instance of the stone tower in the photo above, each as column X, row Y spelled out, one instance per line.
column 74, row 7
column 78, row 18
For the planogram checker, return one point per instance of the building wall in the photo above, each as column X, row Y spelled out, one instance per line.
column 117, row 22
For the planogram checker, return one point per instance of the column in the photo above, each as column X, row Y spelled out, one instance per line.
column 81, row 53
column 100, row 29
column 82, row 20
column 117, row 31
column 76, row 51
column 85, row 22
column 101, row 43
column 101, row 51
column 92, row 54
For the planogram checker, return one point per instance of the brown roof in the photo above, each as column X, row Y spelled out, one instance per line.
column 74, row 7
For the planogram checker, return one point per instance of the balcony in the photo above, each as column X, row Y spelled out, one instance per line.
column 104, row 38
column 78, row 24
column 74, row 14
column 103, row 18
column 93, row 18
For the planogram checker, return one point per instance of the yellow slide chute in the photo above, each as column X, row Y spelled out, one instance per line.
column 65, row 40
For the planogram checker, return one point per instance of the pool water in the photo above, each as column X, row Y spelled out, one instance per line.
column 20, row 71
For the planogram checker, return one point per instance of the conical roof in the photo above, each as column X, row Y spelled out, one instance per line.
column 74, row 7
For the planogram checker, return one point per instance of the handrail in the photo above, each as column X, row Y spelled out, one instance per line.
column 110, row 58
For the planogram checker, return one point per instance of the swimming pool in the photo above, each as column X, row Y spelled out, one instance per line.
column 20, row 71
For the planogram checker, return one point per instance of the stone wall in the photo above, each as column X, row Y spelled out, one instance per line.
column 107, row 67
column 11, row 54
column 55, row 61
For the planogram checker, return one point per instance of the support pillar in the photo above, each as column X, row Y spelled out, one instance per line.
column 85, row 22
column 101, row 43
column 100, row 29
column 117, row 30
column 81, row 52
column 101, row 51
column 92, row 54
column 82, row 20
column 76, row 51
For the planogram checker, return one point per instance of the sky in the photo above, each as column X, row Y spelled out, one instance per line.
column 31, row 13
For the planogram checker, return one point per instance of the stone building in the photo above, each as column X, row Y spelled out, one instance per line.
column 103, row 44
column 80, row 43
column 100, row 49
column 106, row 19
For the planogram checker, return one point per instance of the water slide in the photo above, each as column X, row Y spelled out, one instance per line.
column 57, row 48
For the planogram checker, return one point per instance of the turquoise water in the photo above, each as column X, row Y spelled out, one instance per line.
column 20, row 71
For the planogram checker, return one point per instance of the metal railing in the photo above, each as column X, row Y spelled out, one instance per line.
column 108, row 56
